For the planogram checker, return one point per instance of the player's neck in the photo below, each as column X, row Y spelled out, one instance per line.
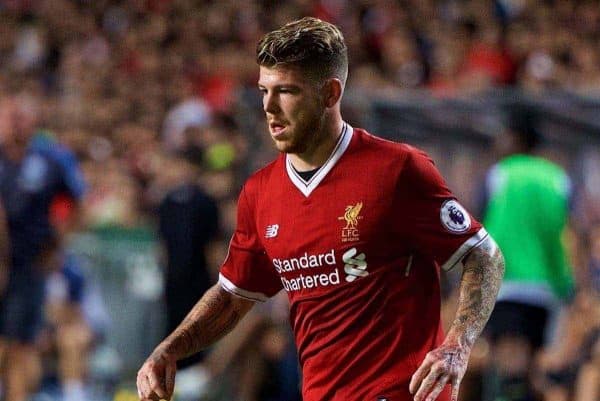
column 318, row 154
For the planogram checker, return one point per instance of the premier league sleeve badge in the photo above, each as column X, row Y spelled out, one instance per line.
column 454, row 217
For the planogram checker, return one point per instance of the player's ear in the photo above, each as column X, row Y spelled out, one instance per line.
column 332, row 92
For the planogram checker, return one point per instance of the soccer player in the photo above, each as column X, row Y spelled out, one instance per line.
column 355, row 229
column 33, row 170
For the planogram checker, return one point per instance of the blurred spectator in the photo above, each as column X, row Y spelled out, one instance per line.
column 190, row 112
column 446, row 63
column 487, row 61
column 33, row 170
column 527, row 212
column 112, row 199
column 401, row 60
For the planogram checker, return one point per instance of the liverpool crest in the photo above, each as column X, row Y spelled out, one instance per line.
column 351, row 216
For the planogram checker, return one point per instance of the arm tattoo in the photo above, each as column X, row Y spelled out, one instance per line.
column 215, row 315
column 482, row 274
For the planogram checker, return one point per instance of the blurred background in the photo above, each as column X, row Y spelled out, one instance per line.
column 158, row 101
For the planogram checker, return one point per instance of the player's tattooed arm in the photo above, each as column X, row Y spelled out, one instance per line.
column 482, row 274
column 215, row 315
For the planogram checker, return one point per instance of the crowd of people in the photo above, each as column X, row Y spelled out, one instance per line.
column 150, row 94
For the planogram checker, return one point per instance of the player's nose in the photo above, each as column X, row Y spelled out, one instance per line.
column 270, row 104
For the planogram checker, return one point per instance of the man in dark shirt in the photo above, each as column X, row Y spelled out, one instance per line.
column 188, row 221
column 34, row 169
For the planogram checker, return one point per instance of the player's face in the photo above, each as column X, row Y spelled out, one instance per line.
column 293, row 107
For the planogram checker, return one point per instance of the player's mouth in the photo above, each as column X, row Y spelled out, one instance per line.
column 277, row 129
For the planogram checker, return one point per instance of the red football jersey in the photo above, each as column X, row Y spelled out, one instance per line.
column 358, row 249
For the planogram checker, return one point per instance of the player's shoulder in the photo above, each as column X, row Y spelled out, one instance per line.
column 45, row 144
column 259, row 179
column 388, row 148
column 378, row 143
column 552, row 166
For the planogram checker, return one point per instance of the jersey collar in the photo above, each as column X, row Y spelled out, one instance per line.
column 306, row 187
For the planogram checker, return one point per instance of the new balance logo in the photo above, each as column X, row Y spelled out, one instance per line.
column 355, row 265
column 272, row 231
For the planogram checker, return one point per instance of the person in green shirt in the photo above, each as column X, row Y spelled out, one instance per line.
column 526, row 212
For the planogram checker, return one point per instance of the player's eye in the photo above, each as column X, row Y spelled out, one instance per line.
column 291, row 91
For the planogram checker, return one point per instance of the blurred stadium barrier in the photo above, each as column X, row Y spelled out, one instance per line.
column 123, row 262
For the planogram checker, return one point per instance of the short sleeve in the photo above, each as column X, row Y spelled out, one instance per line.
column 247, row 271
column 430, row 217
column 71, row 173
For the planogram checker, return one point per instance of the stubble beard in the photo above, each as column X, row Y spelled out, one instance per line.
column 306, row 138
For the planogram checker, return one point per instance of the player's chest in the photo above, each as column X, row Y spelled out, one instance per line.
column 331, row 216
column 338, row 236
column 334, row 217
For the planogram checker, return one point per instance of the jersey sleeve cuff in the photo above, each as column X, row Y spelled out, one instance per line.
column 235, row 290
column 465, row 248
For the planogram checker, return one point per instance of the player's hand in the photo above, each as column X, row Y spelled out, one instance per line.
column 444, row 365
column 156, row 377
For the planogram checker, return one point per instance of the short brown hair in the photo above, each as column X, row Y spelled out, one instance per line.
column 308, row 43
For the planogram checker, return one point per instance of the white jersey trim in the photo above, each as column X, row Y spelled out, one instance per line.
column 465, row 248
column 235, row 290
column 306, row 187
